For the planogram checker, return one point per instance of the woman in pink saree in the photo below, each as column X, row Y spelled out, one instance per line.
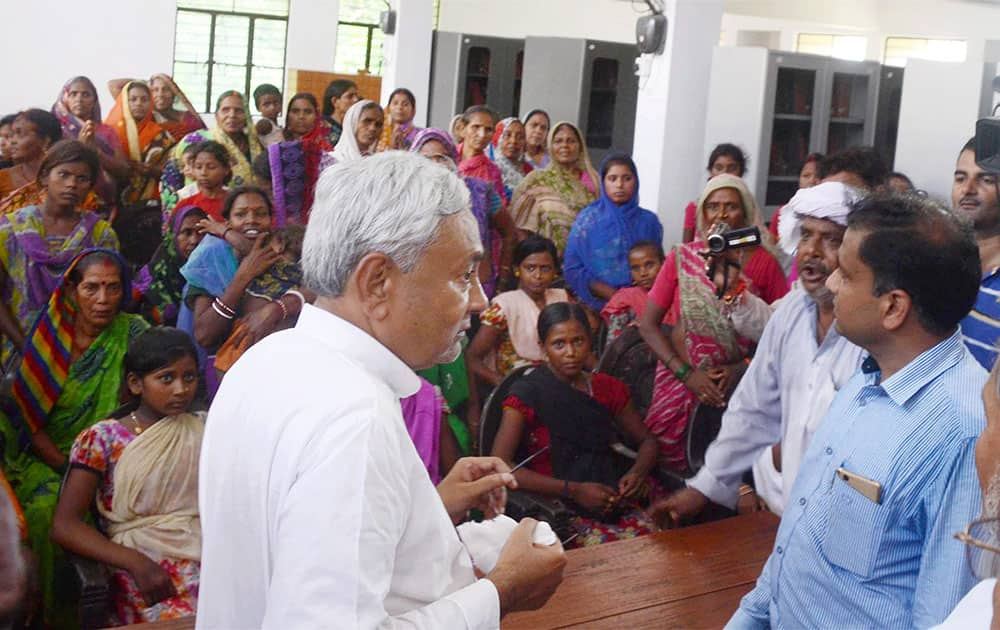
column 702, row 358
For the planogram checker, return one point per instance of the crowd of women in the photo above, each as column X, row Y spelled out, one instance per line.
column 110, row 362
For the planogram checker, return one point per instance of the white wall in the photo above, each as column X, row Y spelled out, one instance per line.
column 45, row 43
column 736, row 107
column 940, row 101
column 408, row 54
column 605, row 20
column 973, row 22
column 671, row 111
column 938, row 114
column 89, row 43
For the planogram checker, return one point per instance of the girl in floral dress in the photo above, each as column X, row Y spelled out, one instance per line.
column 141, row 468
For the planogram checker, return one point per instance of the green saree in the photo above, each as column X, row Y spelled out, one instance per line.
column 91, row 392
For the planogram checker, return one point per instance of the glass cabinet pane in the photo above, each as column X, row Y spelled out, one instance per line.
column 477, row 76
column 601, row 110
column 849, row 97
column 791, row 131
column 794, row 95
column 518, row 73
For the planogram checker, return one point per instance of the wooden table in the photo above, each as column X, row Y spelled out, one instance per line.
column 683, row 578
column 691, row 578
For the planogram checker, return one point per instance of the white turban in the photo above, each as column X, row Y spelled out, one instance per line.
column 830, row 200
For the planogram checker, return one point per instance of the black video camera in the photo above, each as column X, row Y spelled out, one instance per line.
column 722, row 238
column 988, row 144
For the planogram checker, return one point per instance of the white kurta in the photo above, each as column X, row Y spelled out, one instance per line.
column 316, row 509
column 783, row 397
column 975, row 611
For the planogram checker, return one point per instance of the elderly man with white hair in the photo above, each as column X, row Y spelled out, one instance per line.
column 980, row 608
column 315, row 507
column 801, row 362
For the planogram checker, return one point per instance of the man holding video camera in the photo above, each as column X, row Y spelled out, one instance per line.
column 801, row 361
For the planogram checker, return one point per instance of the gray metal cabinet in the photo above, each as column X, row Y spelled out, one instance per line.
column 813, row 104
column 587, row 82
column 890, row 97
column 471, row 70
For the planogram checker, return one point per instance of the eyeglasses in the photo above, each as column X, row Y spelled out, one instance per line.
column 982, row 547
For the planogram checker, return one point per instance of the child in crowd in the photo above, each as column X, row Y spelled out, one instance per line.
column 457, row 128
column 141, row 468
column 507, row 338
column 261, row 170
column 284, row 276
column 169, row 197
column 267, row 98
column 211, row 171
column 625, row 307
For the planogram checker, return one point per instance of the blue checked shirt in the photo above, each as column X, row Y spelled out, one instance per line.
column 842, row 561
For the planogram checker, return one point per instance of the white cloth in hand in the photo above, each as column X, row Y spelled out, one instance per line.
column 485, row 540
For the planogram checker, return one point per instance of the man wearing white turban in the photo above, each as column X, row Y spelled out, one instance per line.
column 801, row 362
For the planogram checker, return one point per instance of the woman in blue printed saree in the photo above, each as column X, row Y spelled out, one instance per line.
column 69, row 379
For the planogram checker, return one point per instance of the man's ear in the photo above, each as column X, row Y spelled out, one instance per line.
column 896, row 307
column 374, row 279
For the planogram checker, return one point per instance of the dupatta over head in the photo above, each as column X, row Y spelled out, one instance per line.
column 750, row 209
column 603, row 234
column 548, row 200
column 46, row 364
column 160, row 282
column 347, row 149
column 483, row 201
column 430, row 133
column 513, row 172
column 173, row 180
column 104, row 136
column 105, row 139
column 583, row 161
column 189, row 120
column 143, row 140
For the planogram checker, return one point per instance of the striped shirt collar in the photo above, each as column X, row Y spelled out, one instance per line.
column 930, row 364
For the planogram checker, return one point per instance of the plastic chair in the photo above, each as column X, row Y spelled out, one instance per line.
column 629, row 359
column 94, row 582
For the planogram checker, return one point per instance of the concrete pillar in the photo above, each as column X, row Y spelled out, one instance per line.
column 670, row 115
column 408, row 54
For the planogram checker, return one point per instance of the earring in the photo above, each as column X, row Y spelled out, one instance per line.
column 517, row 273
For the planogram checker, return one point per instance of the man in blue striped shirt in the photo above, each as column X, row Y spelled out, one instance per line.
column 889, row 477
column 974, row 199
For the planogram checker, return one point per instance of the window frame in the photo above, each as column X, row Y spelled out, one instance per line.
column 368, row 43
column 926, row 40
column 833, row 38
column 253, row 17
